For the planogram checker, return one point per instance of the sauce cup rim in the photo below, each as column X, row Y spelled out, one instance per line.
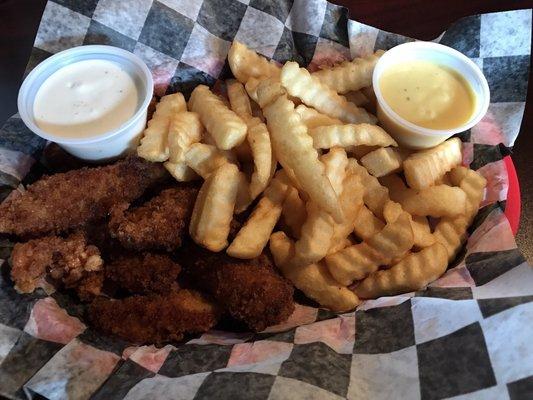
column 63, row 56
column 396, row 52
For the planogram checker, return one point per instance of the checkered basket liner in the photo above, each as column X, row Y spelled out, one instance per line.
column 468, row 336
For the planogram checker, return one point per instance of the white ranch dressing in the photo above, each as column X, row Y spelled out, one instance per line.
column 85, row 99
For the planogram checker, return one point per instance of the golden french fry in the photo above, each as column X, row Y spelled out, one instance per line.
column 358, row 261
column 424, row 168
column 473, row 184
column 339, row 245
column 435, row 201
column 351, row 199
column 315, row 236
column 299, row 83
column 184, row 130
column 366, row 224
column 384, row 161
column 356, row 97
column 227, row 128
column 294, row 213
column 181, row 171
column 414, row 272
column 204, row 158
column 312, row 118
column 335, row 163
column 313, row 279
column 421, row 231
column 264, row 91
column 255, row 233
column 238, row 99
column 325, row 137
column 349, row 75
column 153, row 146
column 243, row 200
column 259, row 141
column 246, row 63
column 451, row 232
column 213, row 209
column 293, row 148
column 375, row 195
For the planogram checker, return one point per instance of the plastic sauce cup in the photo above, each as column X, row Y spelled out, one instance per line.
column 107, row 145
column 413, row 136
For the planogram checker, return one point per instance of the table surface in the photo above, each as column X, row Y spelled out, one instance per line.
column 420, row 19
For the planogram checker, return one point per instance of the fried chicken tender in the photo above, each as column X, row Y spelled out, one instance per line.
column 250, row 290
column 64, row 261
column 90, row 286
column 154, row 318
column 60, row 202
column 159, row 224
column 144, row 273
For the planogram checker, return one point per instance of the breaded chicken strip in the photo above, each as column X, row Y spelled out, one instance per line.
column 159, row 224
column 250, row 290
column 63, row 261
column 60, row 202
column 144, row 273
column 154, row 318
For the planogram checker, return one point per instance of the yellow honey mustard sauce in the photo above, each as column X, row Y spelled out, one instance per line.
column 428, row 94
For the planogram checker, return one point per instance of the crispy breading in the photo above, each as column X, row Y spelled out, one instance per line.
column 90, row 286
column 60, row 202
column 154, row 318
column 159, row 224
column 250, row 290
column 64, row 261
column 144, row 273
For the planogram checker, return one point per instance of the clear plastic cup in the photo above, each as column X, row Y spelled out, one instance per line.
column 413, row 136
column 103, row 146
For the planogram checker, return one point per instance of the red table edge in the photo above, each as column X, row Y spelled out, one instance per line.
column 512, row 207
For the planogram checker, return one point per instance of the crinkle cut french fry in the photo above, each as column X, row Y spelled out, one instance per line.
column 424, row 168
column 421, row 231
column 153, row 146
column 255, row 233
column 258, row 138
column 294, row 213
column 435, row 201
column 335, row 162
column 351, row 199
column 360, row 151
column 227, row 128
column 366, row 224
column 349, row 75
column 312, row 118
column 299, row 83
column 313, row 279
column 315, row 238
column 383, row 161
column 184, row 130
column 293, row 148
column 213, row 209
column 238, row 99
column 325, row 137
column 397, row 188
column 358, row 261
column 205, row 158
column 451, row 232
column 375, row 195
column 473, row 184
column 412, row 273
column 246, row 63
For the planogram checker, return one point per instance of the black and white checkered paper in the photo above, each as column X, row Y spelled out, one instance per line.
column 468, row 336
